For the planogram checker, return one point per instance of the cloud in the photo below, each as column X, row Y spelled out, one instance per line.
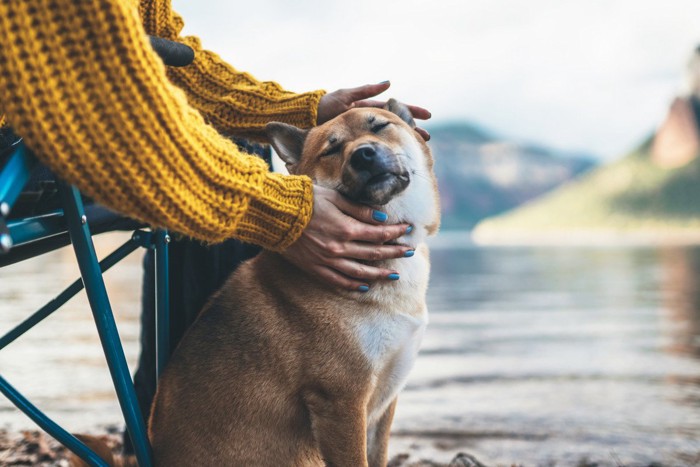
column 593, row 75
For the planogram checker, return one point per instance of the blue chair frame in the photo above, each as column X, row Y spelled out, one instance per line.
column 56, row 229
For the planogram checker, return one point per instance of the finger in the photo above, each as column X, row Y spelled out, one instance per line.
column 423, row 133
column 378, row 234
column 419, row 112
column 337, row 279
column 359, row 212
column 369, row 252
column 368, row 90
column 364, row 272
column 369, row 103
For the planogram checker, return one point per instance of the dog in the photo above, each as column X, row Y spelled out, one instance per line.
column 282, row 369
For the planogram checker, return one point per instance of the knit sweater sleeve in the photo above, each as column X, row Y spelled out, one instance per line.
column 80, row 83
column 232, row 101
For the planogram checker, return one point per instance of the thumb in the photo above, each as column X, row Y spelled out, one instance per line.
column 359, row 212
column 368, row 90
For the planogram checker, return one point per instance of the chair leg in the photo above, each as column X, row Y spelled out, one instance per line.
column 61, row 299
column 104, row 320
column 162, row 302
column 51, row 427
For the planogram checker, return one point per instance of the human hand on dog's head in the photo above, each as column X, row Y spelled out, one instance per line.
column 337, row 102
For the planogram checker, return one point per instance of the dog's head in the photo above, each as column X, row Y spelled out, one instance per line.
column 372, row 156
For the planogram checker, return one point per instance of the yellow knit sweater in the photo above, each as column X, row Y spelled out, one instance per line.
column 80, row 83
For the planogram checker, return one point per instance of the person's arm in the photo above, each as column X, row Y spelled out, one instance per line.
column 81, row 84
column 232, row 101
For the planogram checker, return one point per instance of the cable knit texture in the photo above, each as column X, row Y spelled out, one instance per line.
column 232, row 101
column 81, row 84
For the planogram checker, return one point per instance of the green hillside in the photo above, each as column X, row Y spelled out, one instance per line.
column 632, row 195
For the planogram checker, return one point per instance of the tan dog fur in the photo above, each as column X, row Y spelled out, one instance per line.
column 281, row 369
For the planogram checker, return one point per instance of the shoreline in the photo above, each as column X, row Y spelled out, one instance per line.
column 36, row 448
column 594, row 238
column 418, row 449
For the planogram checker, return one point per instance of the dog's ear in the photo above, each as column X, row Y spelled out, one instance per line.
column 288, row 142
column 401, row 110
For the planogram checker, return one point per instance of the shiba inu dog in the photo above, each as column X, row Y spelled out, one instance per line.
column 282, row 369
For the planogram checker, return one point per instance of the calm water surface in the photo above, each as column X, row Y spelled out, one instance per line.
column 540, row 356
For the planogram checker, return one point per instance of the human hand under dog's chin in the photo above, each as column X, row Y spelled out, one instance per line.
column 334, row 103
column 339, row 234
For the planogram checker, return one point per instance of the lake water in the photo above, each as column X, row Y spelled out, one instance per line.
column 538, row 356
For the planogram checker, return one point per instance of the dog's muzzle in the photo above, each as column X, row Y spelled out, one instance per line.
column 374, row 175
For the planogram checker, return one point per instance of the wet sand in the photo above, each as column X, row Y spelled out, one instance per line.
column 35, row 448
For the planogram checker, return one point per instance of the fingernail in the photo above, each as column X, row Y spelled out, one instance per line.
column 363, row 288
column 409, row 229
column 385, row 82
column 379, row 216
column 393, row 277
column 409, row 253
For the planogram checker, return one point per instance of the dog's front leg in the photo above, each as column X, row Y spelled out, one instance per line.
column 378, row 438
column 339, row 426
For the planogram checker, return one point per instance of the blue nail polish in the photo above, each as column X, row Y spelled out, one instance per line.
column 363, row 288
column 379, row 216
column 409, row 229
column 393, row 277
column 409, row 253
column 385, row 82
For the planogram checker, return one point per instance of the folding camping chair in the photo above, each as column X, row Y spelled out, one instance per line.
column 73, row 222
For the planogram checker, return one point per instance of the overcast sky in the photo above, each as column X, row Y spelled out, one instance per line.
column 593, row 75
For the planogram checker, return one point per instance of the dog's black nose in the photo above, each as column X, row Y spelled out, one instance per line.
column 364, row 158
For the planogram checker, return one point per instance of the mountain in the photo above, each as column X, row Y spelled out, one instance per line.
column 652, row 194
column 482, row 175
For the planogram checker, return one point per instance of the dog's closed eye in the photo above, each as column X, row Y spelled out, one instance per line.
column 376, row 128
column 331, row 151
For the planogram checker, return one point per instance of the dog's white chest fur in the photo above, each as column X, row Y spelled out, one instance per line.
column 390, row 343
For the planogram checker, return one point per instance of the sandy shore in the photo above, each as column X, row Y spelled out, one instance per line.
column 36, row 448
